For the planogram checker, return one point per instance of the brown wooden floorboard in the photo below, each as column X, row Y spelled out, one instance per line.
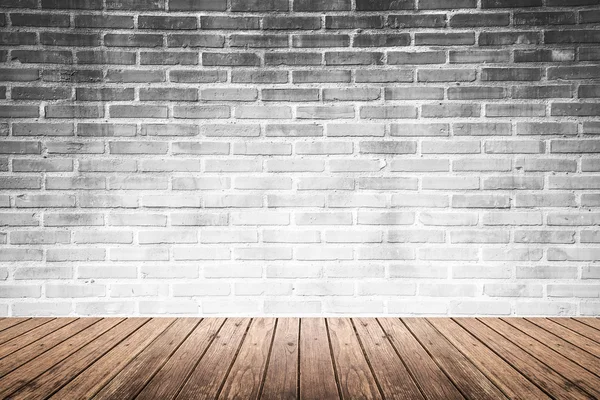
column 168, row 381
column 281, row 379
column 33, row 335
column 574, row 353
column 579, row 327
column 593, row 322
column 299, row 358
column 21, row 328
column 543, row 376
column 505, row 377
column 90, row 381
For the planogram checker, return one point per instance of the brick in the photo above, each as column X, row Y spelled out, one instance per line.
column 258, row 41
column 508, row 38
column 444, row 39
column 476, row 92
column 544, row 18
column 388, row 112
column 510, row 74
column 577, row 72
column 321, row 5
column 70, row 4
column 541, row 92
column 417, row 21
column 138, row 111
column 478, row 56
column 46, row 20
column 420, row 57
column 229, row 23
column 353, row 22
column 205, row 76
column 195, row 40
column 139, row 5
column 292, row 95
column 20, row 74
column 33, row 93
column 159, row 22
column 168, row 58
column 324, row 112
column 320, row 40
column 230, row 59
column 291, row 58
column 194, row 5
column 571, row 36
column 133, row 40
column 414, row 93
column 575, row 109
column 104, row 94
column 259, row 76
column 291, row 23
column 449, row 110
column 353, row 58
column 479, row 20
column 515, row 110
column 381, row 40
column 104, row 21
column 194, row 112
column 384, row 5
column 69, row 39
column 510, row 3
column 441, row 4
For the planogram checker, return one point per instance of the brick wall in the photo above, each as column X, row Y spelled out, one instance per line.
column 299, row 157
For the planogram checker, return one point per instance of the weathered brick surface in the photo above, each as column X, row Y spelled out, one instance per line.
column 303, row 152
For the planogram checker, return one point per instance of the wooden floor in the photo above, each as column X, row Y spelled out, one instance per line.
column 308, row 358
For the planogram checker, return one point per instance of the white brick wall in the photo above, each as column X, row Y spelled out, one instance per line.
column 226, row 158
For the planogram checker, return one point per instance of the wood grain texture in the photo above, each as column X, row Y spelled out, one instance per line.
column 431, row 379
column 391, row 374
column 61, row 373
column 281, row 379
column 38, row 365
column 505, row 377
column 567, row 368
column 317, row 376
column 90, row 381
column 6, row 323
column 291, row 358
column 247, row 373
column 573, row 337
column 168, row 381
column 593, row 322
column 355, row 378
column 33, row 335
column 132, row 379
column 207, row 378
column 543, row 376
column 20, row 329
column 467, row 378
column 579, row 327
column 561, row 346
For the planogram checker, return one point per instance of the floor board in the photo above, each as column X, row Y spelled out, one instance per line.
column 299, row 358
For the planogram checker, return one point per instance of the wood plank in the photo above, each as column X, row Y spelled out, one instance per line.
column 281, row 379
column 391, row 374
column 543, row 376
column 573, row 337
column 60, row 374
column 35, row 334
column 22, row 328
column 208, row 376
column 132, row 379
column 504, row 376
column 93, row 378
column 44, row 344
column 567, row 368
column 35, row 367
column 433, row 382
column 466, row 377
column 355, row 378
column 6, row 323
column 317, row 376
column 574, row 353
column 578, row 327
column 168, row 381
column 593, row 322
column 247, row 373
